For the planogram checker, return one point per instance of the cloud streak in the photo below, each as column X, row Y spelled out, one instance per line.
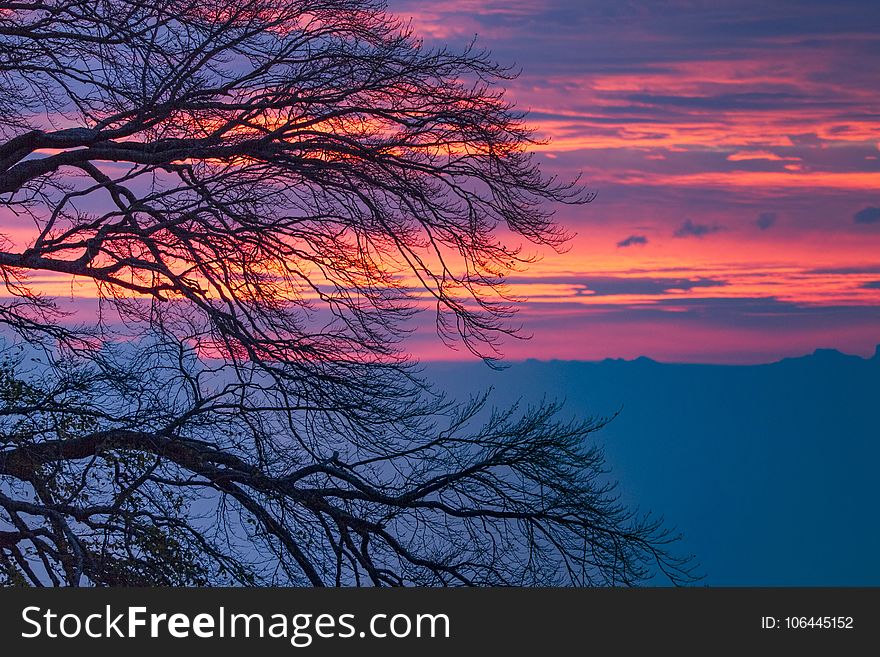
column 632, row 240
column 691, row 229
column 870, row 215
column 766, row 220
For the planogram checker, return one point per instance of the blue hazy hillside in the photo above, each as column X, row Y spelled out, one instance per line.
column 770, row 471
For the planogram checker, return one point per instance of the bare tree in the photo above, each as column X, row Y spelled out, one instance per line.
column 263, row 195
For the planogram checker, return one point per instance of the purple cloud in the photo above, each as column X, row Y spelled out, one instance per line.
column 632, row 240
column 766, row 220
column 869, row 215
column 690, row 229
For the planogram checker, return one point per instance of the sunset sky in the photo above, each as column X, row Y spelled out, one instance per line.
column 735, row 149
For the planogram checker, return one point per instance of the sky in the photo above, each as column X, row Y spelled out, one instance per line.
column 734, row 147
column 735, row 151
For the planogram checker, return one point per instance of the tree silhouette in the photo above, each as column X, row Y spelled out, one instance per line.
column 262, row 195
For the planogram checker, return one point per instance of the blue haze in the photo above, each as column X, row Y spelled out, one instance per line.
column 769, row 471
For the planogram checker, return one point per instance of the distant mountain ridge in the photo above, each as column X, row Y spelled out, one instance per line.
column 830, row 354
column 820, row 352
